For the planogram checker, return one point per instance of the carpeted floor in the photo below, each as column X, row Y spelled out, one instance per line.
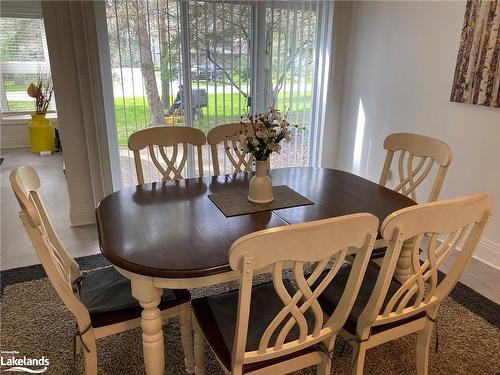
column 35, row 323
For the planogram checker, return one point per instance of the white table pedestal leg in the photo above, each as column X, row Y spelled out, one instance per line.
column 403, row 267
column 151, row 322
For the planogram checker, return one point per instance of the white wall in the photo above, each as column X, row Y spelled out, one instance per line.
column 14, row 135
column 400, row 64
column 73, row 46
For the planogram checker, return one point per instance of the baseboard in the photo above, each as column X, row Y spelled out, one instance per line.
column 81, row 215
column 482, row 270
column 488, row 252
column 482, row 277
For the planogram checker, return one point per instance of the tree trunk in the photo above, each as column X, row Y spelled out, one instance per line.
column 147, row 68
column 165, row 81
column 4, row 104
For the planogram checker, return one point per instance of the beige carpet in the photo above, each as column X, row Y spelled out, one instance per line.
column 35, row 323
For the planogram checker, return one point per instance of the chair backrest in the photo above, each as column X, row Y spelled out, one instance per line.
column 318, row 244
column 163, row 137
column 228, row 136
column 437, row 228
column 60, row 267
column 412, row 172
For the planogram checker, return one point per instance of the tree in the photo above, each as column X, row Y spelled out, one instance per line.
column 147, row 66
column 220, row 33
column 4, row 104
column 282, row 28
column 213, row 39
column 165, row 78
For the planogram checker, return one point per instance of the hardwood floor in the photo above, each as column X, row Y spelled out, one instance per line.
column 16, row 248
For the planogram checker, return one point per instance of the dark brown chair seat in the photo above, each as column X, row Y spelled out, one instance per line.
column 330, row 297
column 108, row 297
column 378, row 253
column 216, row 316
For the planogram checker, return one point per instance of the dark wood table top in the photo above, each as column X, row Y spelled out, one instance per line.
column 173, row 230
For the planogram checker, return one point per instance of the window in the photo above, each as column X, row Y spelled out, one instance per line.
column 220, row 59
column 23, row 57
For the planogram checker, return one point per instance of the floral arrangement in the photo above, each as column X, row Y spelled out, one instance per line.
column 42, row 93
column 262, row 133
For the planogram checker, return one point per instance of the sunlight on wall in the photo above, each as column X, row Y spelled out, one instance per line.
column 358, row 141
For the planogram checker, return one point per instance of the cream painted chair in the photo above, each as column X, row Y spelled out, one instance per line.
column 388, row 308
column 277, row 327
column 428, row 151
column 163, row 137
column 229, row 135
column 100, row 300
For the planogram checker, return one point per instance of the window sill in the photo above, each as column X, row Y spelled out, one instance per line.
column 23, row 119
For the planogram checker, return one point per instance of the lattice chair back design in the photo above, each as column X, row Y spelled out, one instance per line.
column 229, row 136
column 392, row 308
column 417, row 156
column 157, row 140
column 278, row 326
column 100, row 300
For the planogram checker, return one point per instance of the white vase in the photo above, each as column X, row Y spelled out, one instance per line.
column 260, row 189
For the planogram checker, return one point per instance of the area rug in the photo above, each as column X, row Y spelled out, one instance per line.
column 35, row 323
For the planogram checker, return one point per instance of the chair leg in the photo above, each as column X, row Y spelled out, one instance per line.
column 199, row 349
column 90, row 355
column 423, row 344
column 358, row 358
column 324, row 368
column 78, row 346
column 186, row 336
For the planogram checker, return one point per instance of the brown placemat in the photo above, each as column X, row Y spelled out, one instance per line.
column 235, row 203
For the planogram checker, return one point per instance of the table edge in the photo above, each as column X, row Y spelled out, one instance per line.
column 200, row 272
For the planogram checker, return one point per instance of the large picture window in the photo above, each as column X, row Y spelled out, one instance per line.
column 206, row 63
column 23, row 58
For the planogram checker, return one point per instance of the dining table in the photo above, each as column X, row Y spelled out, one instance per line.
column 171, row 235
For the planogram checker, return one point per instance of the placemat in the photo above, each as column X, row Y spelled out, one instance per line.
column 235, row 203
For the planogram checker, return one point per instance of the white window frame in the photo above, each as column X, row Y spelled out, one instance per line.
column 24, row 10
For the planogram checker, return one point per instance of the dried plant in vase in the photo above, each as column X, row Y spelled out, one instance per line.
column 42, row 93
column 41, row 130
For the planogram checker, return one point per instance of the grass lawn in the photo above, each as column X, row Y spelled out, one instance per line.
column 21, row 105
column 25, row 106
column 132, row 114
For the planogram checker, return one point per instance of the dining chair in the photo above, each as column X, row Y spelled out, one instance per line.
column 387, row 307
column 278, row 327
column 229, row 135
column 417, row 156
column 100, row 300
column 163, row 137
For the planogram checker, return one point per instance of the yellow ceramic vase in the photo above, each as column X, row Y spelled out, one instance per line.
column 41, row 134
